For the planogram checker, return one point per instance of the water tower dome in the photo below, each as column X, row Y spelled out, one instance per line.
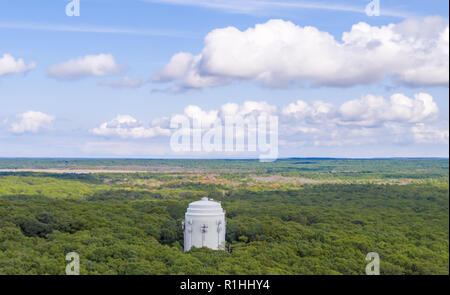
column 204, row 225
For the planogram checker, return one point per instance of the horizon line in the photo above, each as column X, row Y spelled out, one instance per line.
column 228, row 159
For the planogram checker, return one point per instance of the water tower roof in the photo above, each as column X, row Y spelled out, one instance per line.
column 205, row 206
column 205, row 202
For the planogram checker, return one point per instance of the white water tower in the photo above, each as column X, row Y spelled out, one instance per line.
column 204, row 225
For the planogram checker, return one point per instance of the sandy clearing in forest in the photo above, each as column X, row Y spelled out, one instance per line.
column 125, row 169
column 75, row 171
column 85, row 171
column 205, row 176
column 303, row 180
column 292, row 180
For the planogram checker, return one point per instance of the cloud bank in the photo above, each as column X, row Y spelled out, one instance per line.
column 279, row 53
column 370, row 119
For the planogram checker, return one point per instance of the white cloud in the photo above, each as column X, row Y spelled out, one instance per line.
column 369, row 110
column 10, row 65
column 373, row 110
column 361, row 121
column 429, row 134
column 279, row 53
column 317, row 112
column 398, row 120
column 247, row 108
column 207, row 118
column 90, row 65
column 31, row 121
column 370, row 120
column 126, row 82
column 231, row 110
column 125, row 126
column 184, row 66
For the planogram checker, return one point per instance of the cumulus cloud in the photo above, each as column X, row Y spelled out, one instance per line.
column 126, row 82
column 206, row 118
column 316, row 112
column 125, row 126
column 429, row 134
column 229, row 112
column 279, row 53
column 185, row 67
column 31, row 121
column 367, row 120
column 398, row 120
column 370, row 110
column 90, row 65
column 10, row 65
column 247, row 108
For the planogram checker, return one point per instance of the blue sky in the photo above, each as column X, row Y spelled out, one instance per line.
column 51, row 108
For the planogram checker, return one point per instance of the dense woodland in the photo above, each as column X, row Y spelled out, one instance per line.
column 293, row 216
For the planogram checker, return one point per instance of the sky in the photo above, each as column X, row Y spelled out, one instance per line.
column 107, row 83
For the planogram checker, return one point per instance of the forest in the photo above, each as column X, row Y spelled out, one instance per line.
column 291, row 216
